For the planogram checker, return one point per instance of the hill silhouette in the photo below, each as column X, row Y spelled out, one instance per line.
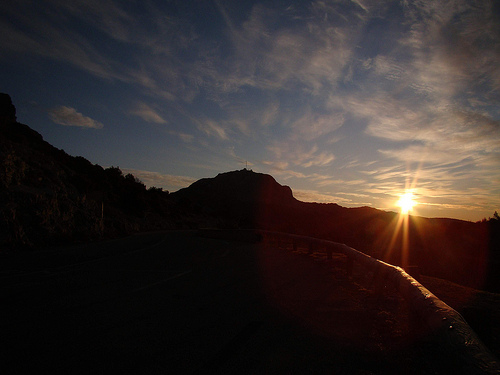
column 241, row 199
column 460, row 251
column 49, row 197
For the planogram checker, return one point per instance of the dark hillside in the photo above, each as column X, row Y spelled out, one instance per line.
column 49, row 197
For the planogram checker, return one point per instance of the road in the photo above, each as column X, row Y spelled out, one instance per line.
column 176, row 303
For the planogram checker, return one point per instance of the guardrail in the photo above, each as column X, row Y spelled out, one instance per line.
column 446, row 323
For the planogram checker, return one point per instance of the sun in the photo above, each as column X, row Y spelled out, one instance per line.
column 406, row 203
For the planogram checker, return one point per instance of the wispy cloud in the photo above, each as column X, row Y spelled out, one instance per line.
column 313, row 52
column 300, row 155
column 313, row 125
column 49, row 36
column 183, row 136
column 68, row 116
column 147, row 113
column 212, row 129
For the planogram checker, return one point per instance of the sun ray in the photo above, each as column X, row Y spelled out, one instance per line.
column 401, row 223
column 406, row 202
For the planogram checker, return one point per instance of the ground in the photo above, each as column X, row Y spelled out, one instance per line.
column 176, row 302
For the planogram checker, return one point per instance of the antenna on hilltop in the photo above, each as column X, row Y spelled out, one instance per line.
column 246, row 166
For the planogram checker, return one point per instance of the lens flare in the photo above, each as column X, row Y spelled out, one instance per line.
column 406, row 202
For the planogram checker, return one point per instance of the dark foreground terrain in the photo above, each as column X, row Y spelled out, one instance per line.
column 173, row 302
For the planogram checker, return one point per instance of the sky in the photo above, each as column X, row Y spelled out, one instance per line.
column 350, row 102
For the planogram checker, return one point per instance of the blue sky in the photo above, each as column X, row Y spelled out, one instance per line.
column 344, row 101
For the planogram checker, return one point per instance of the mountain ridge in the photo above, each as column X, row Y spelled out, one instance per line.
column 48, row 197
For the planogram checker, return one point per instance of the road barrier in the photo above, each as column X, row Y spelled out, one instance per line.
column 445, row 323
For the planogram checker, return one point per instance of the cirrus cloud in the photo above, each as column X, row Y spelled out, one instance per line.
column 68, row 116
column 147, row 113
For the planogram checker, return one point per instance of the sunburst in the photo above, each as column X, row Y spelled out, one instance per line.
column 406, row 202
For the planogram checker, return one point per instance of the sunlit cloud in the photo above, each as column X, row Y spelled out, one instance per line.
column 276, row 165
column 340, row 183
column 311, row 126
column 147, row 113
column 183, row 136
column 311, row 53
column 301, row 156
column 282, row 170
column 212, row 129
column 68, row 116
